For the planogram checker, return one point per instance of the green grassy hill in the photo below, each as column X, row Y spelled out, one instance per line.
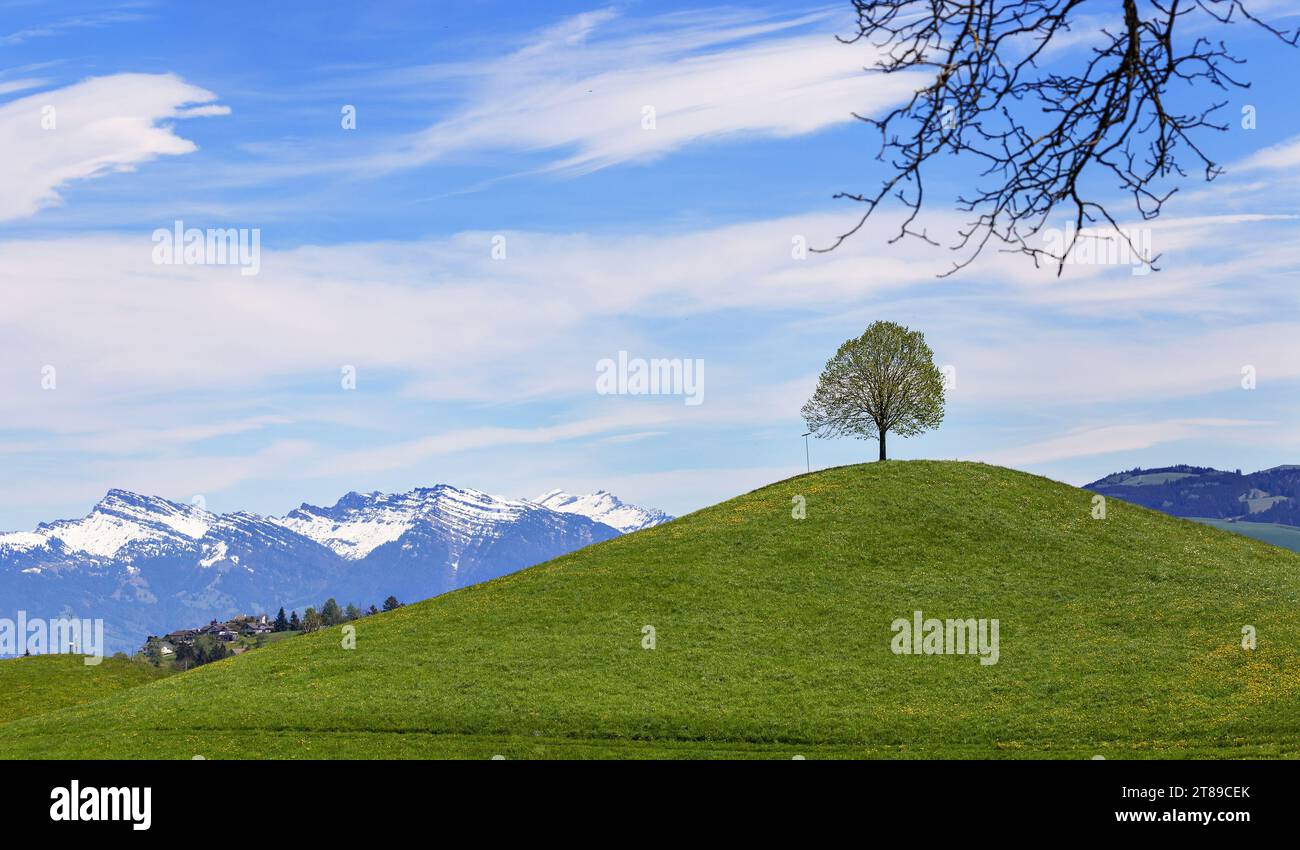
column 44, row 683
column 1119, row 637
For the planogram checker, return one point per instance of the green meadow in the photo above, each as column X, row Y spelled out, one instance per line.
column 771, row 638
column 45, row 683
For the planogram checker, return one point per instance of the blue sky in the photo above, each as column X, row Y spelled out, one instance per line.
column 483, row 120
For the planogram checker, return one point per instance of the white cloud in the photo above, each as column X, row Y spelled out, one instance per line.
column 1045, row 364
column 1283, row 155
column 1111, row 438
column 441, row 312
column 448, row 322
column 68, row 24
column 581, row 93
column 12, row 86
column 101, row 125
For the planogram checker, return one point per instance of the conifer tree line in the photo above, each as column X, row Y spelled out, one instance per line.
column 330, row 614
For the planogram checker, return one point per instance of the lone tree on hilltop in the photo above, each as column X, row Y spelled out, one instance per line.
column 885, row 380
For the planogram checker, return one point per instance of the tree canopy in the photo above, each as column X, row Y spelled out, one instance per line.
column 882, row 381
column 330, row 613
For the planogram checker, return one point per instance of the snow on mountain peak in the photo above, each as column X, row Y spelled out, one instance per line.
column 120, row 519
column 21, row 541
column 604, row 507
column 356, row 525
column 359, row 523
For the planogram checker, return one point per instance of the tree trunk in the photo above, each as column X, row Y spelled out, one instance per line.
column 882, row 445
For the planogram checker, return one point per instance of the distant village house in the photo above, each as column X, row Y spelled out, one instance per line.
column 243, row 625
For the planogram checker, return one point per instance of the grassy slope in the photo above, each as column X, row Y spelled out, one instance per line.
column 1119, row 637
column 45, row 683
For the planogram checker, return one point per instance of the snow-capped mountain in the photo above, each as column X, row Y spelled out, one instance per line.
column 435, row 539
column 604, row 507
column 360, row 523
column 119, row 521
column 147, row 565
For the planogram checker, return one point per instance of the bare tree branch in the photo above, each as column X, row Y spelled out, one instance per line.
column 1046, row 140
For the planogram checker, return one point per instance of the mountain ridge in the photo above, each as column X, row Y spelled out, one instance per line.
column 1266, row 496
column 604, row 506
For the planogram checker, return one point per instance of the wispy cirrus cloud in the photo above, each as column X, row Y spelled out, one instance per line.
column 533, row 325
column 593, row 92
column 11, row 86
column 1281, row 156
column 92, row 128
column 1110, row 439
column 69, row 24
